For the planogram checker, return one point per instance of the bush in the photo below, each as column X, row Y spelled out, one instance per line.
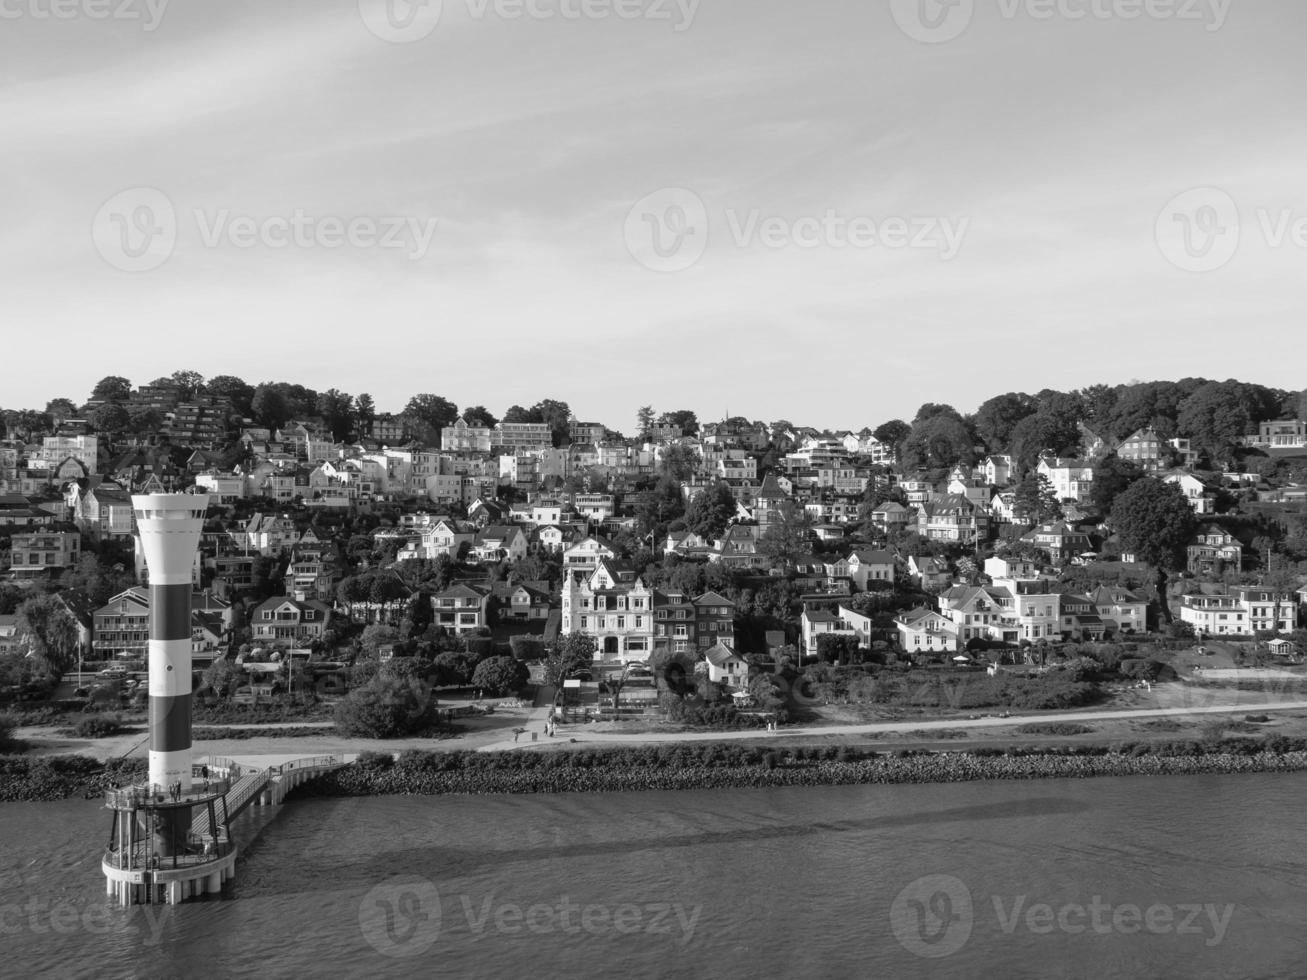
column 387, row 707
column 1054, row 728
column 375, row 760
column 98, row 726
column 9, row 721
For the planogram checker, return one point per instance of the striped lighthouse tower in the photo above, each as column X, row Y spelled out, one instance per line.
column 169, row 526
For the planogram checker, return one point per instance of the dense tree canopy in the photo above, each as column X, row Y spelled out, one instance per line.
column 1156, row 524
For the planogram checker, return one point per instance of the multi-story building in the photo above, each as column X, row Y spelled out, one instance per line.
column 463, row 438
column 460, row 608
column 1280, row 436
column 953, row 518
column 289, row 620
column 1071, row 479
column 521, row 435
column 1212, row 548
column 714, row 621
column 122, row 626
column 1146, row 449
column 37, row 554
column 614, row 607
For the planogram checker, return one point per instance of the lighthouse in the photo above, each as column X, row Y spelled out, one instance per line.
column 169, row 525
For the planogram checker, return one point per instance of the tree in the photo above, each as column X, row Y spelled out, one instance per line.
column 1035, row 501
column 111, row 418
column 569, row 654
column 337, row 411
column 938, row 441
column 932, row 410
column 60, row 409
column 711, row 511
column 427, row 414
column 558, row 417
column 996, row 418
column 789, row 538
column 500, row 676
column 365, row 412
column 658, row 507
column 189, row 384
column 1042, row 433
column 222, row 677
column 144, row 420
column 892, row 433
column 1156, row 524
column 480, row 415
column 518, row 415
column 1112, row 477
column 1215, row 418
column 113, row 388
column 51, row 633
column 232, row 388
column 644, row 421
column 269, row 407
column 678, row 462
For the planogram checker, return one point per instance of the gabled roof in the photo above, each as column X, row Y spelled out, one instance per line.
column 719, row 654
column 713, row 599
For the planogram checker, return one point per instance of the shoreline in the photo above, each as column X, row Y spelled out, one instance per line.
column 703, row 766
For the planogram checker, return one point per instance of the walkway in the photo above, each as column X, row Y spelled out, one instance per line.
column 581, row 733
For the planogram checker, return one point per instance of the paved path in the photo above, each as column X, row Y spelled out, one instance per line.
column 579, row 733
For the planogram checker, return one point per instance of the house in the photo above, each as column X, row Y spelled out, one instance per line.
column 1280, row 438
column 997, row 470
column 738, row 548
column 9, row 639
column 867, row 565
column 1120, row 609
column 954, row 518
column 1060, row 540
column 1212, row 550
column 926, row 631
column 726, row 667
column 714, row 621
column 460, row 608
column 290, row 620
column 619, row 615
column 1195, row 491
column 1016, row 569
column 584, row 555
column 121, row 627
column 523, row 602
column 1145, row 449
column 928, row 572
column 1079, row 618
column 1071, row 479
column 815, row 623
column 891, row 516
column 463, row 438
column 497, row 542
column 976, row 612
column 551, row 538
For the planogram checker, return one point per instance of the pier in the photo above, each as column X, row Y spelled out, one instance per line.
column 170, row 844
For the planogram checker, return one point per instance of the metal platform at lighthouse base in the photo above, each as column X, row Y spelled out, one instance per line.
column 166, row 847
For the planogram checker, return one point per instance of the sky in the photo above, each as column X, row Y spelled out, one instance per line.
column 829, row 211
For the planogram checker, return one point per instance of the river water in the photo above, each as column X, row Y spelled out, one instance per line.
column 1133, row 877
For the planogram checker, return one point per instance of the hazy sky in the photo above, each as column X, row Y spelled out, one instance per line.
column 866, row 212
